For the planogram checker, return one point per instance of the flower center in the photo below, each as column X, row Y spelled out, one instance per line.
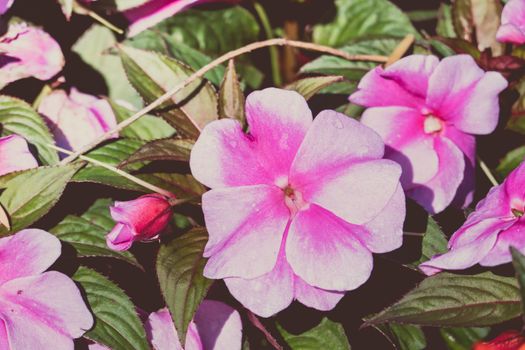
column 294, row 200
column 432, row 124
column 518, row 208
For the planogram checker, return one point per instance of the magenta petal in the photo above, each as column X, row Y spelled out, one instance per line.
column 219, row 326
column 4, row 6
column 316, row 298
column 438, row 193
column 246, row 226
column 15, row 155
column 514, row 186
column 500, row 254
column 161, row 331
column 509, row 33
column 121, row 237
column 321, row 247
column 512, row 23
column 28, row 252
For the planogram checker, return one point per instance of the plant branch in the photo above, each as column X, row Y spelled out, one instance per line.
column 224, row 58
column 269, row 337
column 85, row 11
column 487, row 172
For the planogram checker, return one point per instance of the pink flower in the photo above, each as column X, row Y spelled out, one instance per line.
column 37, row 308
column 486, row 236
column 216, row 326
column 28, row 52
column 77, row 119
column 15, row 155
column 137, row 220
column 5, row 5
column 155, row 11
column 297, row 206
column 512, row 29
column 427, row 112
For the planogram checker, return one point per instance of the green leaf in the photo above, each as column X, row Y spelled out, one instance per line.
column 326, row 335
column 231, row 97
column 518, row 261
column 308, row 87
column 357, row 19
column 165, row 149
column 153, row 74
column 30, row 194
column 87, row 233
column 434, row 242
column 463, row 338
column 179, row 268
column 408, row 337
column 18, row 117
column 67, row 8
column 445, row 26
column 184, row 186
column 517, row 119
column 456, row 301
column 510, row 162
column 117, row 324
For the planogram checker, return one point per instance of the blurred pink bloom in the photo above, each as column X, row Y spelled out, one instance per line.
column 138, row 220
column 297, row 206
column 38, row 308
column 15, row 155
column 427, row 112
column 216, row 326
column 5, row 5
column 512, row 29
column 28, row 52
column 155, row 11
column 77, row 119
column 486, row 236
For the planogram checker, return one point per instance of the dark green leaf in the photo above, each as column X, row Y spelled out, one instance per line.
column 445, row 26
column 326, row 335
column 165, row 149
column 408, row 337
column 510, row 162
column 518, row 261
column 183, row 186
column 434, row 242
column 231, row 97
column 463, row 338
column 117, row 324
column 179, row 268
column 308, row 87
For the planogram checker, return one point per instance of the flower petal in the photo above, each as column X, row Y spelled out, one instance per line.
column 161, row 331
column 513, row 22
column 316, row 298
column 4, row 6
column 15, row 155
column 500, row 254
column 325, row 251
column 509, row 33
column 26, row 253
column 219, row 326
column 121, row 237
column 246, row 227
column 514, row 186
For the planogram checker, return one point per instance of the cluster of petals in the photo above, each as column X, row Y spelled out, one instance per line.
column 427, row 112
column 28, row 52
column 215, row 326
column 38, row 308
column 512, row 29
column 76, row 119
column 140, row 219
column 15, row 155
column 298, row 205
column 487, row 234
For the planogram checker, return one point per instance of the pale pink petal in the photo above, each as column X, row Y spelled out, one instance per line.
column 514, row 186
column 438, row 193
column 463, row 94
column 316, row 298
column 332, row 143
column 500, row 254
column 4, row 341
column 15, row 155
column 193, row 340
column 367, row 186
column 28, row 252
column 268, row 294
column 219, row 326
column 4, row 6
column 512, row 23
column 97, row 346
column 325, row 251
column 402, row 130
column 42, row 310
column 509, row 33
column 161, row 331
column 246, row 243
column 121, row 237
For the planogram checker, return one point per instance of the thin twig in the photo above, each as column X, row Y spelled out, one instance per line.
column 217, row 62
column 400, row 49
column 269, row 337
column 487, row 172
column 85, row 11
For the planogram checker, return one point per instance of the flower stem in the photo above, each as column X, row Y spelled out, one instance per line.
column 269, row 337
column 215, row 63
column 487, row 172
column 274, row 53
column 85, row 11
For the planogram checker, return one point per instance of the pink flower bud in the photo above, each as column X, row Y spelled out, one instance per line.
column 138, row 220
column 15, row 155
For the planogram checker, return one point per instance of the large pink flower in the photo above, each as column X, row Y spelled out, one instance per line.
column 28, row 52
column 297, row 205
column 216, row 326
column 427, row 112
column 15, row 155
column 486, row 236
column 77, row 119
column 512, row 29
column 37, row 308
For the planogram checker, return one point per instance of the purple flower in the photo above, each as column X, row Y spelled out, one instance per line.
column 427, row 113
column 295, row 203
column 137, row 220
column 77, row 119
column 216, row 326
column 512, row 29
column 37, row 308
column 5, row 5
column 495, row 225
column 15, row 155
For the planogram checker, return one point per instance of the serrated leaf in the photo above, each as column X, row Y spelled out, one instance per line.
column 179, row 269
column 30, row 194
column 117, row 324
column 456, row 301
column 326, row 335
column 445, row 26
column 87, row 233
column 463, row 338
column 518, row 261
column 18, row 117
column 165, row 149
column 357, row 19
column 308, row 87
column 510, row 162
column 153, row 74
column 184, row 186
column 434, row 242
column 408, row 337
column 231, row 96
